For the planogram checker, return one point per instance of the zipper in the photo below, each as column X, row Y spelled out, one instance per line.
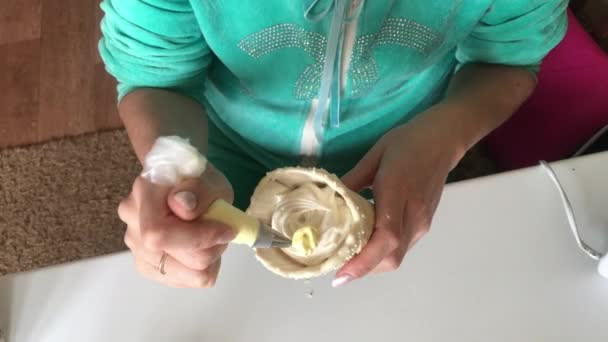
column 309, row 145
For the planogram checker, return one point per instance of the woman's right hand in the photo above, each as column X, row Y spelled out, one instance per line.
column 163, row 219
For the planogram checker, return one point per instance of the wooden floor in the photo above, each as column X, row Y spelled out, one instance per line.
column 52, row 82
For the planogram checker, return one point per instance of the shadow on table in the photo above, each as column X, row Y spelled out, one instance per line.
column 27, row 314
column 7, row 326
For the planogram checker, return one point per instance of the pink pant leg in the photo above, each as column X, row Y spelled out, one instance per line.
column 568, row 106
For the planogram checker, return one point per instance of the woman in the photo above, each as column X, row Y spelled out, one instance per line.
column 388, row 94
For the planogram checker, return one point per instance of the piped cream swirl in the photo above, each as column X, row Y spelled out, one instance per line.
column 290, row 199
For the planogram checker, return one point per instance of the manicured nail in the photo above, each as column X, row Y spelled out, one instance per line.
column 341, row 280
column 226, row 237
column 186, row 199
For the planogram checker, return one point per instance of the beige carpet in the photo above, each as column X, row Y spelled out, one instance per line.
column 58, row 199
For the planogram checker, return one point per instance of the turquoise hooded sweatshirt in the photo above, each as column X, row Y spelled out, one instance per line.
column 316, row 81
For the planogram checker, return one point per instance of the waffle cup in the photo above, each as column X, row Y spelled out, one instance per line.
column 353, row 216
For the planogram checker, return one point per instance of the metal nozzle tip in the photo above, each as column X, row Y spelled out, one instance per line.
column 279, row 240
column 270, row 238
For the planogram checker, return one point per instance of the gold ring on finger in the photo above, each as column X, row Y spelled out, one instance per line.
column 161, row 264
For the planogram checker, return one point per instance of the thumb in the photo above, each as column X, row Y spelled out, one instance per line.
column 362, row 175
column 190, row 199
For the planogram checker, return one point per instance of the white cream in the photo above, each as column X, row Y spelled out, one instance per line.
column 293, row 198
column 320, row 208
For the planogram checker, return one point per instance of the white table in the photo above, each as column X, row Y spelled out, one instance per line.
column 500, row 264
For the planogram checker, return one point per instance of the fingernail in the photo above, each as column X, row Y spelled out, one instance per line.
column 186, row 199
column 341, row 280
column 226, row 237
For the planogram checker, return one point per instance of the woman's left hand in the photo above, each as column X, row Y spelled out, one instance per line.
column 406, row 169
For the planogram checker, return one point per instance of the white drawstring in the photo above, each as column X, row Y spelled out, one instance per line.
column 331, row 76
